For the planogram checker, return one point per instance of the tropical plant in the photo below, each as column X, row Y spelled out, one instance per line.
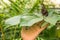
column 27, row 13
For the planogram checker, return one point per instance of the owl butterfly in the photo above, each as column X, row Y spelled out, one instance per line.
column 44, row 10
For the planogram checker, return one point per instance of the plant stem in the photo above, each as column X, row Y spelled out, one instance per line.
column 2, row 33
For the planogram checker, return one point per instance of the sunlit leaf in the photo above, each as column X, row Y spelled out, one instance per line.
column 13, row 20
column 29, row 20
column 52, row 19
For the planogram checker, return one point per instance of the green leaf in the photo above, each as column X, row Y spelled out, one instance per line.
column 50, row 26
column 29, row 21
column 52, row 19
column 58, row 32
column 13, row 20
column 24, row 20
column 58, row 17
